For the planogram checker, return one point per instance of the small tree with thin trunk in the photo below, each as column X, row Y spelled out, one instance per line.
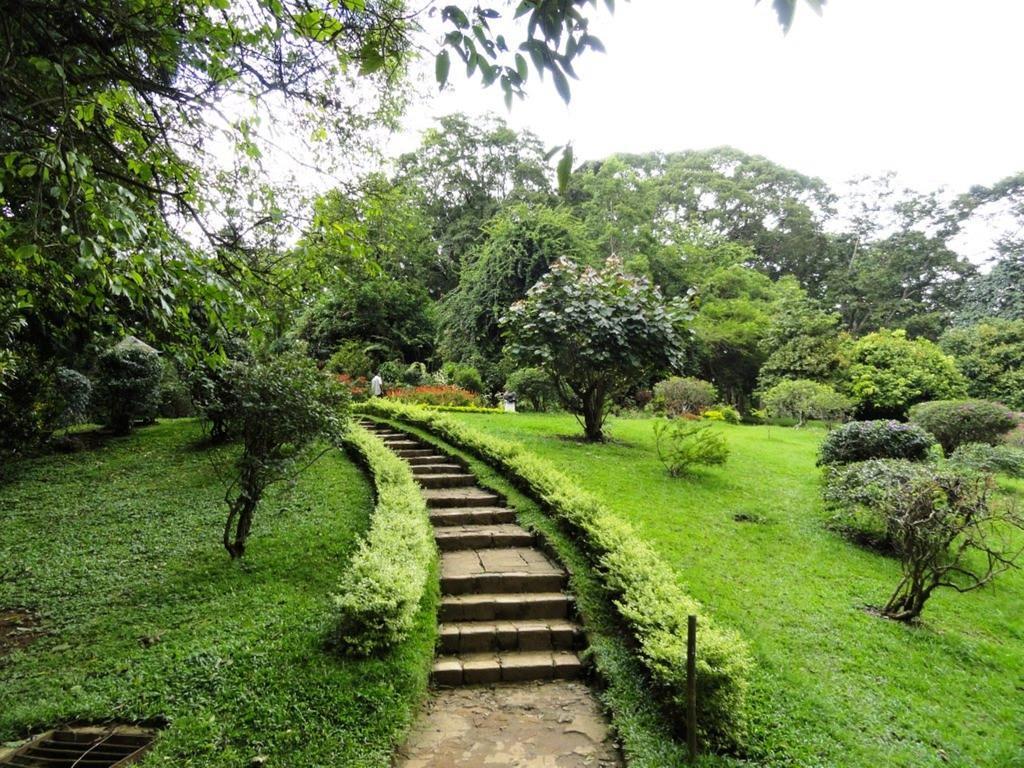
column 287, row 414
column 596, row 333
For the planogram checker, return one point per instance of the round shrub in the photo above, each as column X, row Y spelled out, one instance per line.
column 990, row 459
column 128, row 384
column 532, row 386
column 391, row 371
column 956, row 422
column 415, row 375
column 801, row 399
column 864, row 440
column 680, row 395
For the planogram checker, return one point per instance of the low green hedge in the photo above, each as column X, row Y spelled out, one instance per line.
column 464, row 408
column 643, row 587
column 380, row 591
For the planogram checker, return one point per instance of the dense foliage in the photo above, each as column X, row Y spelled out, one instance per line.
column 802, row 400
column 128, row 385
column 864, row 440
column 680, row 395
column 957, row 422
column 990, row 355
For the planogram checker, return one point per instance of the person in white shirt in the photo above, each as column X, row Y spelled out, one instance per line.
column 376, row 385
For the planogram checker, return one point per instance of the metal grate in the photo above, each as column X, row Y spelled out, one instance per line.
column 81, row 748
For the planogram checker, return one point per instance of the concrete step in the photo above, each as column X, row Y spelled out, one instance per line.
column 513, row 666
column 472, row 516
column 457, row 479
column 432, row 457
column 444, row 498
column 505, row 607
column 486, row 536
column 524, row 635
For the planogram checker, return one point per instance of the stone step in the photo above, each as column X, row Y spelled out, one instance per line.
column 482, row 636
column 502, row 607
column 415, row 453
column 437, row 469
column 431, row 457
column 446, row 480
column 401, row 443
column 472, row 516
column 510, row 569
column 487, row 536
column 443, row 498
column 482, row 668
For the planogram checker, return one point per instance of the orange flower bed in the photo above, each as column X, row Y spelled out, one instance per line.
column 434, row 394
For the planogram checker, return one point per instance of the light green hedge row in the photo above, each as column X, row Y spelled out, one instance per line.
column 380, row 592
column 643, row 587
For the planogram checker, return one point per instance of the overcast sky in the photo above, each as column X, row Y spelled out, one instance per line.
column 927, row 88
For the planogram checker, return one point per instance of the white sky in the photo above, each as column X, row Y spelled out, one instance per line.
column 927, row 88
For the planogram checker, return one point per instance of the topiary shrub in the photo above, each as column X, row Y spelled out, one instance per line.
column 128, row 384
column 863, row 440
column 532, row 386
column 956, row 422
column 680, row 396
column 990, row 459
column 682, row 445
column 391, row 372
column 468, row 377
column 415, row 374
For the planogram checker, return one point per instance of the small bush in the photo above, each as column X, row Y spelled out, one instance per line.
column 801, row 399
column 391, row 372
column 723, row 412
column 128, row 385
column 645, row 589
column 415, row 375
column 467, row 377
column 380, row 590
column 939, row 521
column 73, row 398
column 990, row 459
column 956, row 422
column 532, row 386
column 863, row 440
column 351, row 358
column 682, row 445
column 680, row 396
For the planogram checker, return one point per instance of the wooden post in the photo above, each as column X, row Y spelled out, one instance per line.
column 691, row 687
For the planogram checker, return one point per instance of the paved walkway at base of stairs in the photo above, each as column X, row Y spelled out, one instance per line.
column 552, row 724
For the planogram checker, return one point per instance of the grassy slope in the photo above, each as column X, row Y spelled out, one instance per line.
column 835, row 685
column 118, row 550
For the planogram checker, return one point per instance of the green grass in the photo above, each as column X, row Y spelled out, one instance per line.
column 835, row 685
column 117, row 549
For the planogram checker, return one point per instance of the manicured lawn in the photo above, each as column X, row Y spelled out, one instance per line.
column 835, row 685
column 117, row 550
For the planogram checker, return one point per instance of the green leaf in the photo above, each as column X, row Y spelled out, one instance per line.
column 561, row 84
column 522, row 68
column 442, row 66
column 564, row 169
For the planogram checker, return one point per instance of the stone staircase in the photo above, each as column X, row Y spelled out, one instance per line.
column 504, row 614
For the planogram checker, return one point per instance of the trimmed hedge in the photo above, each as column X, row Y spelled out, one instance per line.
column 380, row 591
column 864, row 440
column 643, row 588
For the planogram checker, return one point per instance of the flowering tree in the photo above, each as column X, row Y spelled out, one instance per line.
column 595, row 333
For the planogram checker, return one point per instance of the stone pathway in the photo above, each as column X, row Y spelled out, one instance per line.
column 505, row 621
